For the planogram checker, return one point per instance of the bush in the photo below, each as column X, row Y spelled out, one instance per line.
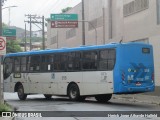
column 4, row 108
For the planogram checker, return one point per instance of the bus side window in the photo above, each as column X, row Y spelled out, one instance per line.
column 34, row 63
column 57, row 63
column 17, row 64
column 47, row 63
column 71, row 57
column 64, row 60
column 90, row 60
column 74, row 61
column 23, row 64
column 77, row 61
column 107, row 59
column 8, row 66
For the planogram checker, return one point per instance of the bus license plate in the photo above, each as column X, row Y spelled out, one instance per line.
column 138, row 84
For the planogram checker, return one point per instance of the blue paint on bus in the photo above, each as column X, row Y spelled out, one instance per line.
column 134, row 69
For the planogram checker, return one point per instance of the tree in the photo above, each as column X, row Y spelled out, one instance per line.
column 13, row 46
column 4, row 25
column 66, row 9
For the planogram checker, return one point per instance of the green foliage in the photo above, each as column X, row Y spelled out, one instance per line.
column 13, row 46
column 4, row 25
column 66, row 9
column 4, row 108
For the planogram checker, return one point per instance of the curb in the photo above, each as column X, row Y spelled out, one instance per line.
column 139, row 98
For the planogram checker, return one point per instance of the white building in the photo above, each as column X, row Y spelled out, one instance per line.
column 114, row 20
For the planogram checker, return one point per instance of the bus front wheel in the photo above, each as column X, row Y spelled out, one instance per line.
column 21, row 94
column 103, row 98
column 73, row 92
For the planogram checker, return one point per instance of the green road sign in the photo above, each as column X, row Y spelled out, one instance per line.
column 9, row 32
column 64, row 17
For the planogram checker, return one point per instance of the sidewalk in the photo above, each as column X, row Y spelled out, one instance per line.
column 139, row 98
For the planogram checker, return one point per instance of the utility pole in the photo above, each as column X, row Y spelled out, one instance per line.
column 34, row 19
column 25, row 38
column 1, row 94
column 29, row 21
column 30, row 32
column 43, row 34
column 1, row 17
column 83, row 25
column 1, row 76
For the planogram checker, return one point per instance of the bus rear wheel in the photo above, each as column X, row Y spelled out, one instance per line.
column 20, row 92
column 103, row 98
column 47, row 96
column 73, row 92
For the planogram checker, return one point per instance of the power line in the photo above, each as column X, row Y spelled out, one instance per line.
column 34, row 19
column 52, row 6
column 44, row 6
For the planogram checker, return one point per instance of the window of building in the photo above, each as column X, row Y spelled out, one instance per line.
column 70, row 33
column 90, row 60
column 54, row 40
column 158, row 11
column 135, row 6
column 107, row 59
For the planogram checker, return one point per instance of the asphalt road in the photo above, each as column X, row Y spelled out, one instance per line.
column 37, row 103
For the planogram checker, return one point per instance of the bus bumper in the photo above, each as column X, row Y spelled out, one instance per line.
column 136, row 89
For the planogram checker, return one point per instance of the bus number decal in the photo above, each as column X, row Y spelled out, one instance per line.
column 53, row 76
column 64, row 77
column 103, row 77
column 17, row 75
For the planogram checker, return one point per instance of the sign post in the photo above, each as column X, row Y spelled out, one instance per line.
column 64, row 24
column 2, row 52
column 64, row 17
column 10, row 34
column 64, row 20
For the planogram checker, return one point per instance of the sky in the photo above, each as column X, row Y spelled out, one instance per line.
column 38, row 7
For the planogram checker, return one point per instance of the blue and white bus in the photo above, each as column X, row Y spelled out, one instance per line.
column 97, row 71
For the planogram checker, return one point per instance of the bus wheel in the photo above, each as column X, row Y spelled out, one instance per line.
column 103, row 98
column 82, row 98
column 20, row 93
column 48, row 97
column 73, row 92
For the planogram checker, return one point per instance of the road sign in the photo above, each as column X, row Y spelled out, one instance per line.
column 64, row 24
column 64, row 17
column 9, row 32
column 11, row 38
column 2, row 45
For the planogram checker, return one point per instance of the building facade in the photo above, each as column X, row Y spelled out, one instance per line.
column 111, row 21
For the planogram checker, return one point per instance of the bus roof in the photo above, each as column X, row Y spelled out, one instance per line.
column 62, row 50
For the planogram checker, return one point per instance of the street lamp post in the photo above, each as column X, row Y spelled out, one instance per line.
column 83, row 21
column 1, row 17
column 9, row 10
column 1, row 93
